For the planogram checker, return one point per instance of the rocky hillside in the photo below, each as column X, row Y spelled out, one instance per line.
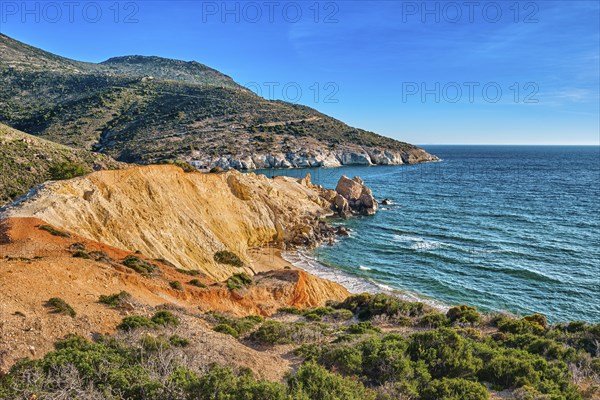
column 147, row 109
column 27, row 161
column 185, row 218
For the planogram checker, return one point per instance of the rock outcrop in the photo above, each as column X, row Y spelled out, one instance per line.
column 185, row 218
column 353, row 196
column 315, row 156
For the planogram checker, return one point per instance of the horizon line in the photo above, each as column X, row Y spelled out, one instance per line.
column 510, row 144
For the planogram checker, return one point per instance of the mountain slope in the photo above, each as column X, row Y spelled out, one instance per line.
column 146, row 109
column 26, row 161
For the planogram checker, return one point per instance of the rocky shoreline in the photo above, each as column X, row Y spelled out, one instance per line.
column 314, row 158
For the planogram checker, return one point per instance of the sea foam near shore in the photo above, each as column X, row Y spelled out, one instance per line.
column 354, row 284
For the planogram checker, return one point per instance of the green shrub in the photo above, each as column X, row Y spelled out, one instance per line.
column 362, row 328
column 219, row 383
column 367, row 306
column 290, row 310
column 138, row 265
column 226, row 329
column 115, row 300
column 312, row 317
column 178, row 341
column 238, row 281
column 81, row 254
column 197, row 283
column 227, row 257
column 53, row 231
column 165, row 318
column 445, row 353
column 312, row 381
column 176, row 285
column 239, row 326
column 274, row 332
column 518, row 326
column 320, row 311
column 135, row 322
column 342, row 315
column 434, row 320
column 59, row 306
column 464, row 314
column 454, row 389
column 66, row 170
column 190, row 272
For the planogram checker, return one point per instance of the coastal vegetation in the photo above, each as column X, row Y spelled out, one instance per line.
column 368, row 356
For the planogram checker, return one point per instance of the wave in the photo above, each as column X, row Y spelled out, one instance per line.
column 353, row 283
column 363, row 268
column 418, row 243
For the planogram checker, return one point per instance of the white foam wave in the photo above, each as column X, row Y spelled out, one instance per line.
column 417, row 243
column 354, row 284
column 363, row 268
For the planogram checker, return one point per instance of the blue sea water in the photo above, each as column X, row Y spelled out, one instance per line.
column 504, row 228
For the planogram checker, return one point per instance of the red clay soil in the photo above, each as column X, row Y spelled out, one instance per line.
column 36, row 265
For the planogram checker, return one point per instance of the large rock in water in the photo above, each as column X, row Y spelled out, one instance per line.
column 358, row 197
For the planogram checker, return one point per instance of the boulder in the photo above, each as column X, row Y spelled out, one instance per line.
column 341, row 206
column 358, row 197
column 350, row 189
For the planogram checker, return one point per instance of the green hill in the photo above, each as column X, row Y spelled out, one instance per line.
column 26, row 161
column 146, row 109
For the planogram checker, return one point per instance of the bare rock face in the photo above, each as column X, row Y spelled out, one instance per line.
column 354, row 197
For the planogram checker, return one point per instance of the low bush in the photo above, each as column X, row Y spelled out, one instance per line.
column 290, row 310
column 190, row 272
column 314, row 382
column 138, row 265
column 115, row 300
column 176, row 285
column 239, row 326
column 518, row 326
column 454, row 389
column 238, row 281
column 367, row 306
column 275, row 332
column 227, row 257
column 159, row 319
column 81, row 254
column 53, row 231
column 434, row 320
column 362, row 328
column 464, row 315
column 227, row 330
column 135, row 322
column 165, row 318
column 197, row 283
column 66, row 170
column 59, row 306
column 178, row 341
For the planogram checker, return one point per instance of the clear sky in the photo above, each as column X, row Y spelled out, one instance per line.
column 425, row 72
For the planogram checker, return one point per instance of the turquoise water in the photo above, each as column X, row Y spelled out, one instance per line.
column 504, row 228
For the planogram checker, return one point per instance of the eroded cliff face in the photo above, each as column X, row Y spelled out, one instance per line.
column 184, row 218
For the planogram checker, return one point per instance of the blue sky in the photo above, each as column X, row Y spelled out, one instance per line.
column 424, row 72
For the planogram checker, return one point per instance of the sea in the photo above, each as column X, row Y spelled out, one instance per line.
column 504, row 228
